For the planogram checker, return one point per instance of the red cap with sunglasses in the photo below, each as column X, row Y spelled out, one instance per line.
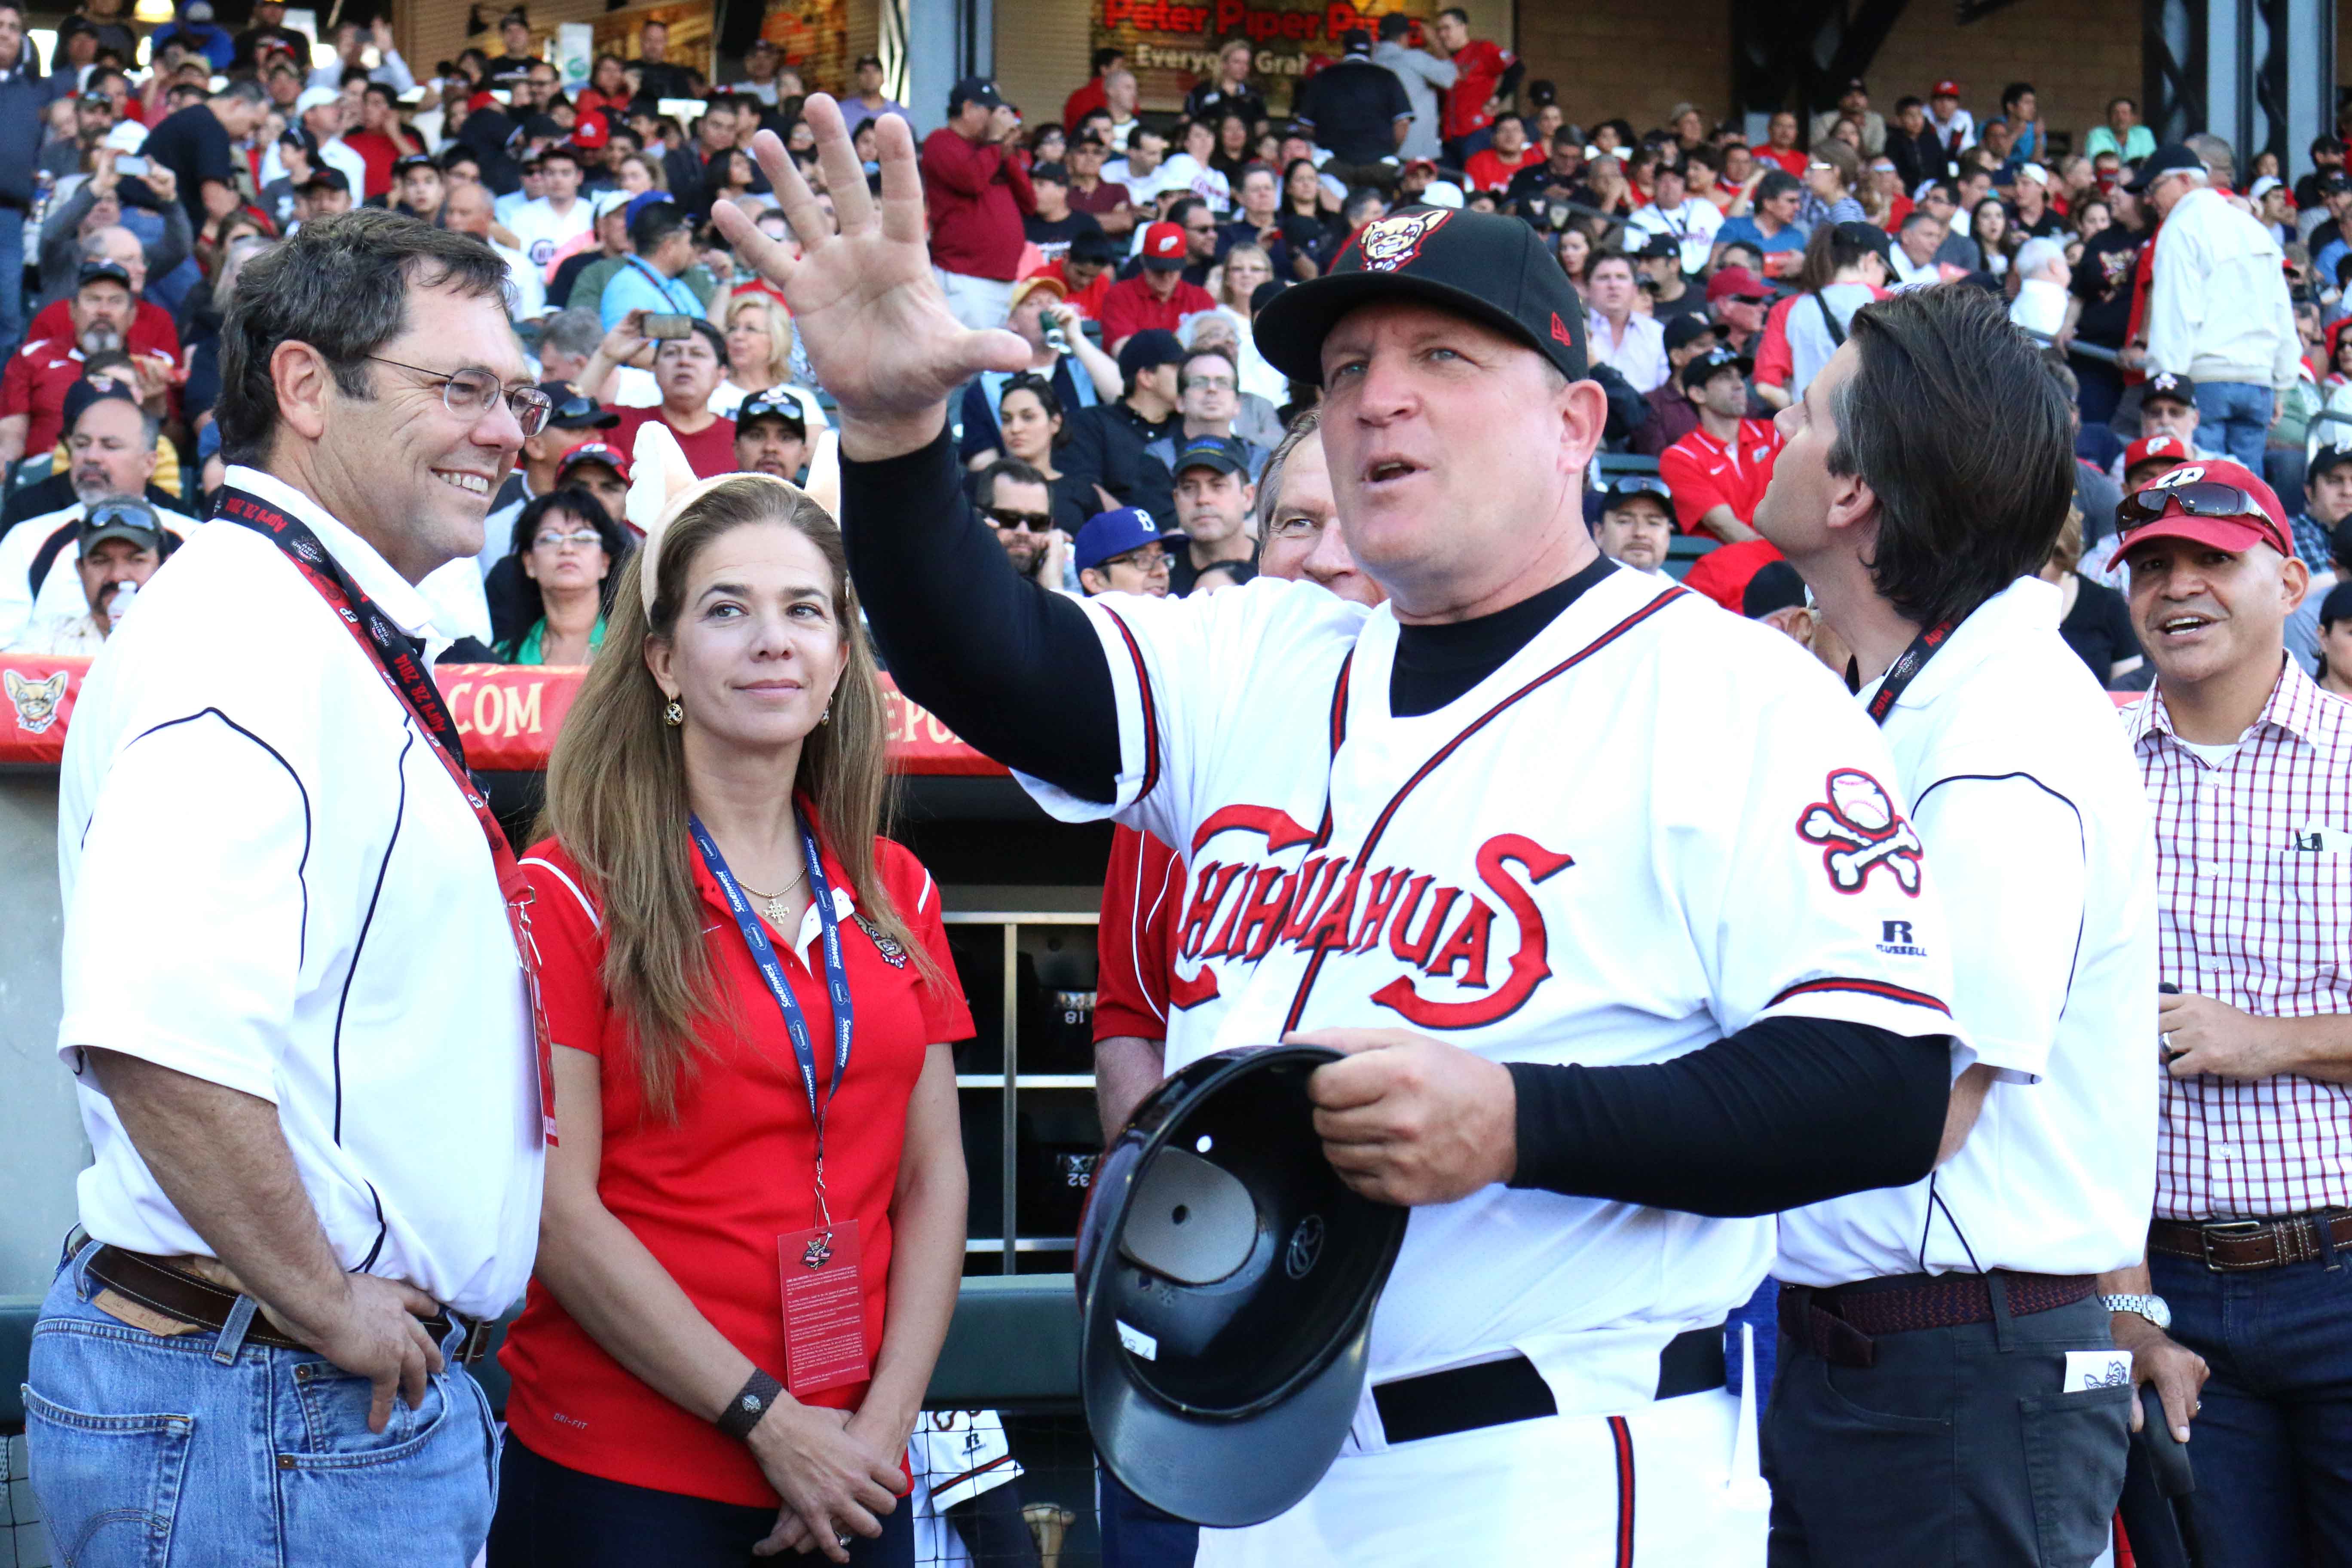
column 2212, row 502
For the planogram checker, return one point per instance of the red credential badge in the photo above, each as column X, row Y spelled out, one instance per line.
column 824, row 1308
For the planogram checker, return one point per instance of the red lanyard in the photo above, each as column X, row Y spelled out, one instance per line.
column 400, row 663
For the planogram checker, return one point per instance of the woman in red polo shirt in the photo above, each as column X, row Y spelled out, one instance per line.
column 715, row 1351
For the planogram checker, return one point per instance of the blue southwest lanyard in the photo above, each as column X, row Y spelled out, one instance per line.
column 836, row 983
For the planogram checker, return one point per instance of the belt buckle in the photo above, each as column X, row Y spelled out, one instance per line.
column 2239, row 1229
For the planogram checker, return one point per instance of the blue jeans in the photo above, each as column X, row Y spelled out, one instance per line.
column 1137, row 1535
column 199, row 1450
column 12, row 277
column 2233, row 418
column 2271, row 1442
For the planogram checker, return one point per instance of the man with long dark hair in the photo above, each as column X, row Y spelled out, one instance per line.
column 1928, row 470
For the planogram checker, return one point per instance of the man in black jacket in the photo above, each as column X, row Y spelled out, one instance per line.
column 25, row 97
column 1106, row 445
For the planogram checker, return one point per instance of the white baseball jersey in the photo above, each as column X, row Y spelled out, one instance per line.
column 541, row 230
column 1652, row 826
column 2023, row 784
column 952, row 1456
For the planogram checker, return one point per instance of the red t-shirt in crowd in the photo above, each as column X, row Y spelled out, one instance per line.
column 710, row 1191
column 976, row 198
column 1478, row 67
column 1089, row 98
column 1087, row 301
column 1705, row 473
column 34, row 385
column 379, row 152
column 1796, row 159
column 1129, row 306
column 710, row 451
column 1135, row 939
column 1722, row 574
column 152, row 331
column 1490, row 170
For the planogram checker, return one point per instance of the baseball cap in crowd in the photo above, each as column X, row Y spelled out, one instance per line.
column 610, row 202
column 2179, row 388
column 1152, row 347
column 414, row 161
column 1626, row 486
column 125, row 136
column 123, row 517
column 591, row 133
column 1163, row 247
column 2157, row 450
column 82, row 393
column 295, row 136
column 2323, row 459
column 1946, row 88
column 2331, row 183
column 1220, row 454
column 592, row 452
column 974, row 89
column 569, row 409
column 1033, row 284
column 1736, row 283
column 1658, row 246
column 2212, row 502
column 1492, row 268
column 1052, row 174
column 2034, row 172
column 1093, row 248
column 1712, row 363
column 862, row 61
column 1776, row 586
column 100, row 270
column 1357, row 42
column 1395, row 25
column 324, row 178
column 1686, row 328
column 2169, row 159
column 2336, row 606
column 1869, row 236
column 776, row 402
column 1108, row 534
column 315, row 98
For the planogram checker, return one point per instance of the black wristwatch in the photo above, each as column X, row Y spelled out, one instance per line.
column 743, row 1412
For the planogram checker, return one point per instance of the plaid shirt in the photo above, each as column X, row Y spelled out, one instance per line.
column 2247, row 913
column 2311, row 541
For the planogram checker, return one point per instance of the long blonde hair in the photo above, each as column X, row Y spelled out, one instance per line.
column 616, row 795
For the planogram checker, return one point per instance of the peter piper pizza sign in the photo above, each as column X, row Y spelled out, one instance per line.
column 1172, row 44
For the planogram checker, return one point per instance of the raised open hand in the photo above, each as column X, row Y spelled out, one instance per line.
column 878, row 329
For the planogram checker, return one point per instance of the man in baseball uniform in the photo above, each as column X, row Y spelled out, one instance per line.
column 1530, row 843
column 1948, row 1389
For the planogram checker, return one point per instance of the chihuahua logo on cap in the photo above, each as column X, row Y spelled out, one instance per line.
column 1389, row 243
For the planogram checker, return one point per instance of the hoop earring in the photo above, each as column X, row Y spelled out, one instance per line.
column 675, row 714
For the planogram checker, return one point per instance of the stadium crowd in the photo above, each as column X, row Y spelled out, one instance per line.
column 2192, row 305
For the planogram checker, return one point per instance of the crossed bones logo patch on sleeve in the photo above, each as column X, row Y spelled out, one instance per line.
column 1860, row 831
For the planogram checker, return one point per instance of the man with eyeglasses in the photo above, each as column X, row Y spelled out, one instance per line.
column 1123, row 552
column 1208, row 401
column 1016, row 502
column 315, row 1108
column 572, row 417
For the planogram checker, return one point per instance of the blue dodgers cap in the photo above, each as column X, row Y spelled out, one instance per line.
column 1109, row 534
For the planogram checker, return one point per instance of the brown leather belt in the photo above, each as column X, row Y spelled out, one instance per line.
column 2230, row 1247
column 178, row 1294
column 1840, row 1324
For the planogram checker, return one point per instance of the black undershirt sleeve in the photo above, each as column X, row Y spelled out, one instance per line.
column 1013, row 669
column 1786, row 1113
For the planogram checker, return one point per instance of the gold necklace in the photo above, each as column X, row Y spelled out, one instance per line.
column 776, row 910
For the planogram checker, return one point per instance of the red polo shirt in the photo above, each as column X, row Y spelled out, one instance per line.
column 151, row 328
column 1705, row 473
column 710, row 1191
column 34, row 385
column 1129, row 306
column 1478, row 68
column 1490, row 170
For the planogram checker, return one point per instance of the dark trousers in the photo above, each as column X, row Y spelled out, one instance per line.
column 2102, row 389
column 1137, row 1535
column 1956, row 1448
column 551, row 1515
column 2272, row 1441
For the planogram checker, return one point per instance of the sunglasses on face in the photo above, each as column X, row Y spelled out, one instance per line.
column 2209, row 499
column 1020, row 522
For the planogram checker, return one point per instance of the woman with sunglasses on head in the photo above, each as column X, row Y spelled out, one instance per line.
column 570, row 551
column 754, row 1221
column 1029, row 415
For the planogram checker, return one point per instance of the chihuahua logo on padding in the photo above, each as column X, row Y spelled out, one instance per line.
column 1389, row 242
column 1306, row 1248
column 1860, row 831
column 36, row 700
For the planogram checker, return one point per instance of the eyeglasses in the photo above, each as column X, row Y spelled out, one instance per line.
column 578, row 538
column 1020, row 522
column 1151, row 561
column 469, row 394
column 2209, row 499
column 1213, row 382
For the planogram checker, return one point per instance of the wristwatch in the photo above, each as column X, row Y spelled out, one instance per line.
column 2152, row 1308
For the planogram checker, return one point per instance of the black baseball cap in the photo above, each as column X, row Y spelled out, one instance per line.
column 2325, row 458
column 98, row 269
column 569, row 409
column 2179, row 388
column 1356, row 42
column 2338, row 605
column 1053, row 171
column 1491, row 269
column 1152, row 347
column 2169, row 159
column 1659, row 247
column 1775, row 587
column 1624, row 487
column 1710, row 364
column 123, row 517
column 416, row 161
column 773, row 403
column 1223, row 454
column 327, row 178
column 1869, row 236
column 973, row 89
column 84, row 392
column 1688, row 329
column 1095, row 247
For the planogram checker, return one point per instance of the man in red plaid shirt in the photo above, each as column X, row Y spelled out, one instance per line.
column 2248, row 771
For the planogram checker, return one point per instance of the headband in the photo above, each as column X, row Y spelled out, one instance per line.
column 662, row 486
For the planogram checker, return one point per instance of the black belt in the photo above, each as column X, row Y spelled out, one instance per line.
column 1494, row 1392
column 177, row 1294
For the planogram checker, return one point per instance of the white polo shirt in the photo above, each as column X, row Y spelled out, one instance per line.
column 2023, row 788
column 271, row 884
